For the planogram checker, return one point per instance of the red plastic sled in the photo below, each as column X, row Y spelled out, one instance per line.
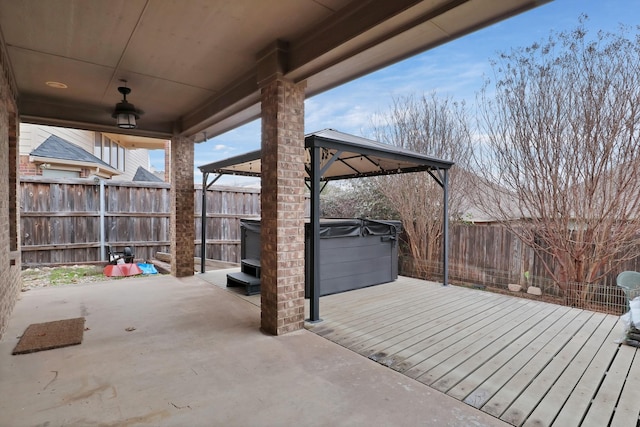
column 117, row 270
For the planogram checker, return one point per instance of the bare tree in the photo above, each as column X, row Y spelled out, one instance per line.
column 355, row 198
column 437, row 127
column 561, row 151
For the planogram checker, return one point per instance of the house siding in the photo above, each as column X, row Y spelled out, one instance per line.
column 31, row 136
column 133, row 159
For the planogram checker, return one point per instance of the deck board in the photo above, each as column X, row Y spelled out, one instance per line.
column 429, row 370
column 474, row 357
column 346, row 332
column 601, row 409
column 498, row 404
column 576, row 406
column 550, row 406
column 409, row 325
column 374, row 303
column 520, row 396
column 493, row 375
column 485, row 329
column 408, row 330
column 525, row 361
column 427, row 331
column 374, row 322
column 628, row 408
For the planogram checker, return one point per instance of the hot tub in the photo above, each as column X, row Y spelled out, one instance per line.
column 354, row 253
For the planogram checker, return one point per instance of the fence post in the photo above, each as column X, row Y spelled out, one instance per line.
column 102, row 236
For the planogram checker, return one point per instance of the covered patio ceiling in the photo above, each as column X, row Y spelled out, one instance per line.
column 195, row 66
column 200, row 67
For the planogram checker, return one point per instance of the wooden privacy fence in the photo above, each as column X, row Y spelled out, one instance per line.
column 491, row 256
column 60, row 223
column 60, row 219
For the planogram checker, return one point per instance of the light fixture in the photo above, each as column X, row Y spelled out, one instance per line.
column 56, row 85
column 125, row 113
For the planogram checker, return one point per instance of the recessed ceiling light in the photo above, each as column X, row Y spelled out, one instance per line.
column 57, row 85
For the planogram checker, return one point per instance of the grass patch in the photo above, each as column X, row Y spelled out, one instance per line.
column 31, row 273
column 65, row 276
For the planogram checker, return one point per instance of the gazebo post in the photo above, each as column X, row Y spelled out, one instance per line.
column 445, row 226
column 314, row 258
column 203, row 219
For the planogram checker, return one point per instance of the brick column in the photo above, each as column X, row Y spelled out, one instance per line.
column 282, row 206
column 182, row 209
column 10, row 258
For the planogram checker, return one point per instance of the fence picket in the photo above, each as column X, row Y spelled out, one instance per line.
column 60, row 219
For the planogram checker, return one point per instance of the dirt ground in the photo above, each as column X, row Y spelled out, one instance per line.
column 33, row 278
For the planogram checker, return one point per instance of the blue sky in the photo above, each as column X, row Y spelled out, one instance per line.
column 456, row 69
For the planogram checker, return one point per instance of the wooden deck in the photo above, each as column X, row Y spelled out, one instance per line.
column 526, row 362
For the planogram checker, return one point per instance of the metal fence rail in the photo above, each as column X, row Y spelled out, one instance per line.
column 604, row 297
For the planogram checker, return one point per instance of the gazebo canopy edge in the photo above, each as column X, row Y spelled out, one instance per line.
column 377, row 158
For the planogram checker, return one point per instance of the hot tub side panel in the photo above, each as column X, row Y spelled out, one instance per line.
column 353, row 263
column 354, row 253
column 249, row 239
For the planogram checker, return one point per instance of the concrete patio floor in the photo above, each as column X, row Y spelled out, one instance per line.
column 198, row 358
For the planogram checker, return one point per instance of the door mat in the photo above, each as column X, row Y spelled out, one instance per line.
column 49, row 335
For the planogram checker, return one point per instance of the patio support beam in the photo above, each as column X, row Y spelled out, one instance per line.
column 282, row 196
column 182, row 209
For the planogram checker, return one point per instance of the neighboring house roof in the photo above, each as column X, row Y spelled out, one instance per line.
column 144, row 175
column 486, row 202
column 57, row 148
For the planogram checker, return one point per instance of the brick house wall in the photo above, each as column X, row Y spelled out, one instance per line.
column 28, row 168
column 9, row 212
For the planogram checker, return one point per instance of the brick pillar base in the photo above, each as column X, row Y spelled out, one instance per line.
column 282, row 207
column 182, row 209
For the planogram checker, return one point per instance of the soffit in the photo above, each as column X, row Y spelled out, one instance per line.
column 192, row 65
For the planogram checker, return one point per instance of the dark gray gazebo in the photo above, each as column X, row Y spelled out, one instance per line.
column 333, row 155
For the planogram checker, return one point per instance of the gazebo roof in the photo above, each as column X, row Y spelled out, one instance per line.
column 347, row 156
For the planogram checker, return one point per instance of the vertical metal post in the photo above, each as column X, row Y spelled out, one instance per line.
column 102, row 234
column 314, row 258
column 445, row 225
column 203, row 224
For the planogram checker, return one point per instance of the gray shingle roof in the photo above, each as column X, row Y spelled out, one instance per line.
column 55, row 147
column 144, row 175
